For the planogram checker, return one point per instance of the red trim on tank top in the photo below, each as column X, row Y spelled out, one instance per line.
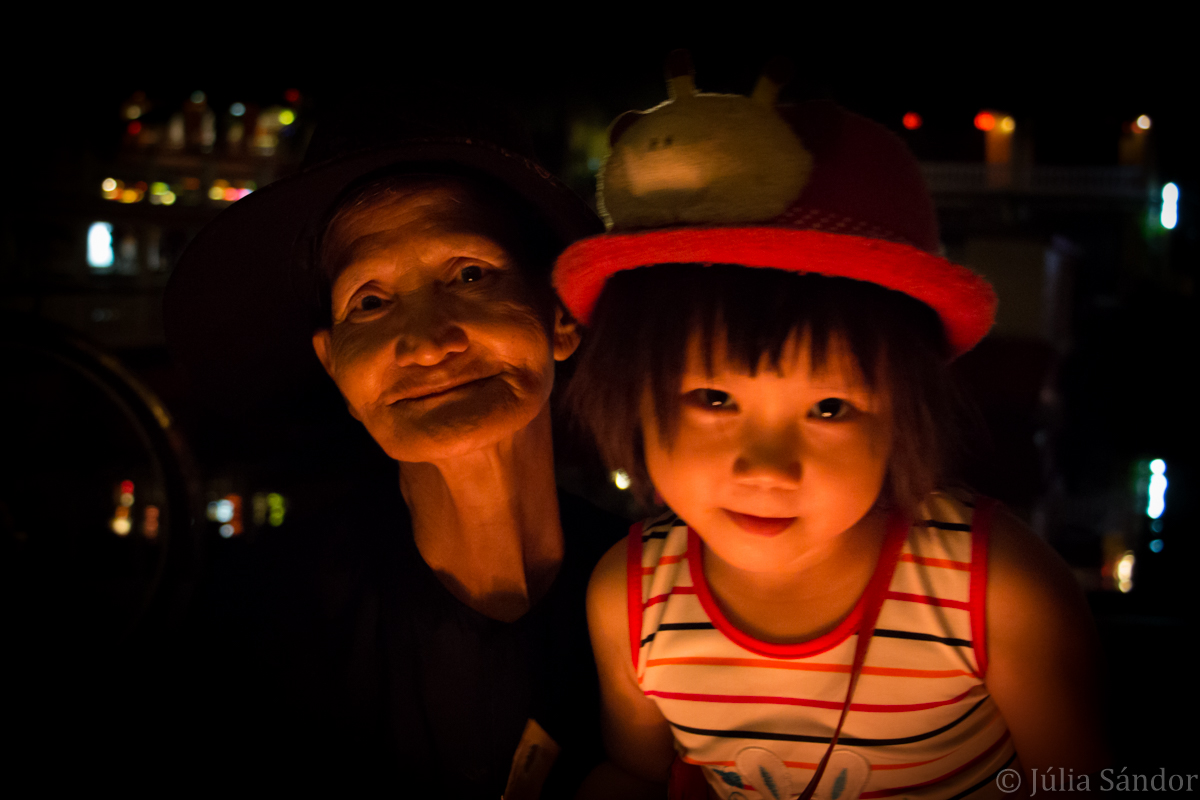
column 981, row 523
column 897, row 528
column 633, row 589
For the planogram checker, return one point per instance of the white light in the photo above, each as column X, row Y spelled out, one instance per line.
column 1158, row 489
column 226, row 531
column 121, row 526
column 1170, row 207
column 1143, row 122
column 224, row 511
column 99, row 245
column 621, row 478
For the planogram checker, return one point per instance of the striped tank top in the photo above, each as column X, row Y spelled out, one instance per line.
column 757, row 717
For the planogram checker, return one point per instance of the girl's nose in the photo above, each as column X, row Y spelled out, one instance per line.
column 769, row 459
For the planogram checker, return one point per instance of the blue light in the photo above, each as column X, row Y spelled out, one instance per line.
column 1170, row 207
column 237, row 109
column 1156, row 546
column 100, row 245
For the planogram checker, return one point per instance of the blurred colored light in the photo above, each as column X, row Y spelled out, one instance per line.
column 1008, row 124
column 134, row 128
column 109, row 185
column 621, row 479
column 243, row 192
column 1170, row 208
column 226, row 531
column 237, row 109
column 985, row 121
column 216, row 193
column 150, row 522
column 198, row 97
column 127, row 499
column 1123, row 572
column 1156, row 525
column 1158, row 466
column 292, row 95
column 912, row 120
column 221, row 182
column 276, row 506
column 167, row 198
column 231, row 194
column 133, row 111
column 1143, row 122
column 1156, row 546
column 126, row 487
column 287, row 117
column 99, row 245
column 121, row 526
column 130, row 196
column 158, row 187
column 224, row 511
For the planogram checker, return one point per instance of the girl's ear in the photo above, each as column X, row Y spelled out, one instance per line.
column 566, row 333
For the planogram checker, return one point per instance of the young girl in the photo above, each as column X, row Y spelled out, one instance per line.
column 769, row 328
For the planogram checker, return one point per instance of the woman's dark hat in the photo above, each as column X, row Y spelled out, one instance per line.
column 244, row 300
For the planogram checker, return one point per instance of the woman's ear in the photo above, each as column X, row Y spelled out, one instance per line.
column 323, row 346
column 566, row 333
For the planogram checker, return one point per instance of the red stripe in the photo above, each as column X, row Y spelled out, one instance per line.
column 836, row 705
column 927, row 600
column 901, row 789
column 981, row 523
column 661, row 598
column 926, row 561
column 633, row 585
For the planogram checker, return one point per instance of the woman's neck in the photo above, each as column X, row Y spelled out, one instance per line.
column 487, row 522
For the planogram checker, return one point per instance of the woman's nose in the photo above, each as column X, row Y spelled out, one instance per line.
column 428, row 332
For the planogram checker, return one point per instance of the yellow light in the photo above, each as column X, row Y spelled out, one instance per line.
column 121, row 526
column 127, row 499
column 158, row 187
column 1008, row 125
column 287, row 117
column 133, row 111
column 224, row 184
column 621, row 478
column 216, row 193
column 130, row 196
column 167, row 198
column 109, row 185
column 1143, row 122
column 1123, row 572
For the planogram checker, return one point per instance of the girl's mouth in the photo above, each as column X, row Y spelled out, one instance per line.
column 760, row 526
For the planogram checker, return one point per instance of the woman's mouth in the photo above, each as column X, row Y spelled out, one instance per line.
column 760, row 526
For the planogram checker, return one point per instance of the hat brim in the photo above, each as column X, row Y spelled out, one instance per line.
column 240, row 305
column 964, row 301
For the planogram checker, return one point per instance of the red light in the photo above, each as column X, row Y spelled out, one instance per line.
column 134, row 128
column 985, row 120
column 912, row 120
column 292, row 95
column 126, row 487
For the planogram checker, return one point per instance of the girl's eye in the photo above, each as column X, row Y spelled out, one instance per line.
column 830, row 408
column 711, row 399
column 370, row 302
column 471, row 274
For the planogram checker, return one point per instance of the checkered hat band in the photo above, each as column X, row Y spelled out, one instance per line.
column 816, row 219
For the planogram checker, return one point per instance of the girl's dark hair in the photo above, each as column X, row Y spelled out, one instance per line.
column 640, row 329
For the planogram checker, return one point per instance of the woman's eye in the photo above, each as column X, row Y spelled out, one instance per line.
column 471, row 274
column 830, row 408
column 711, row 399
column 370, row 303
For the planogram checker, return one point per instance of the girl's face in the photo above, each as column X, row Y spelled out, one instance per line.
column 769, row 470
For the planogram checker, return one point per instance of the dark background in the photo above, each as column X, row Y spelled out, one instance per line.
column 1073, row 406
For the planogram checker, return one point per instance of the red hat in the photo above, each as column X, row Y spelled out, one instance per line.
column 861, row 211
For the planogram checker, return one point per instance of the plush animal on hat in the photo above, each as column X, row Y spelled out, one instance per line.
column 703, row 158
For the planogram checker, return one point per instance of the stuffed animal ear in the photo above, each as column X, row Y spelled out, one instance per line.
column 621, row 124
column 777, row 74
column 681, row 77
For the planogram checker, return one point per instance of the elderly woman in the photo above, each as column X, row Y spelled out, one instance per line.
column 411, row 255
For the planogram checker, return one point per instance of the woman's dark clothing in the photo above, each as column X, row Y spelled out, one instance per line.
column 369, row 672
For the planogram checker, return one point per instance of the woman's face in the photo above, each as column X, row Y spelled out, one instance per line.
column 439, row 344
